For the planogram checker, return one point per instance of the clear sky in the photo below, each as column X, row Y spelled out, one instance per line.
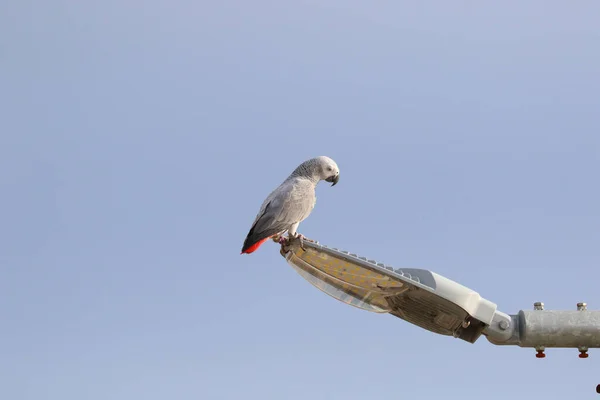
column 139, row 138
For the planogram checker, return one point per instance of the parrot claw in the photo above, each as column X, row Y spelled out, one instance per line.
column 301, row 239
column 307, row 239
column 289, row 241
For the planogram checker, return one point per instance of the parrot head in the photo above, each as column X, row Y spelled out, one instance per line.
column 329, row 170
column 319, row 169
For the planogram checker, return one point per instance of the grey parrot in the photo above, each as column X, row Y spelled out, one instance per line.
column 291, row 203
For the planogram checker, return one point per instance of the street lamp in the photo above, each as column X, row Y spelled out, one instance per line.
column 438, row 304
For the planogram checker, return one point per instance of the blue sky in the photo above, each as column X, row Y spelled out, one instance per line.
column 139, row 139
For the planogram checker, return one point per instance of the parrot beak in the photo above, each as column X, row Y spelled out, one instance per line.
column 334, row 178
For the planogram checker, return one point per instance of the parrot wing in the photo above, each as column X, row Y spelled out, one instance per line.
column 290, row 203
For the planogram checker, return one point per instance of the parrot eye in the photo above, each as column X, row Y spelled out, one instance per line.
column 329, row 168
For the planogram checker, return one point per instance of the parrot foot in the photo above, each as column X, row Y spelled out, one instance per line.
column 300, row 238
column 304, row 238
column 290, row 240
column 282, row 240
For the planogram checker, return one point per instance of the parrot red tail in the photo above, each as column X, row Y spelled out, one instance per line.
column 252, row 249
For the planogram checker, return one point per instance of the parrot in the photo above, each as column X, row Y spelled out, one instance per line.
column 290, row 203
